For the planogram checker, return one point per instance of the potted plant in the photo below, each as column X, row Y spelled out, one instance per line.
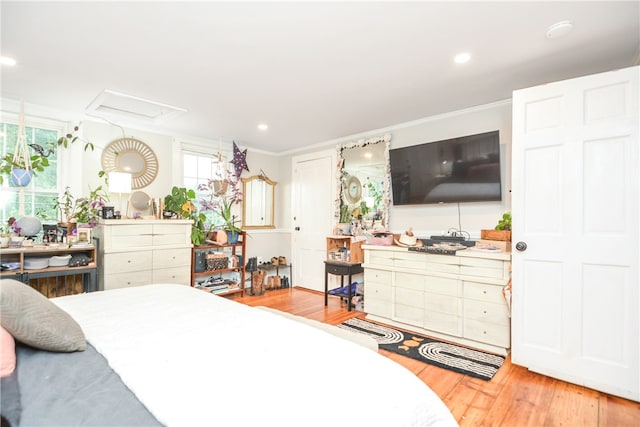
column 229, row 219
column 16, row 166
column 502, row 231
column 19, row 172
column 179, row 204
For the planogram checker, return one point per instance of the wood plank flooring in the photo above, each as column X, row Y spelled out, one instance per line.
column 514, row 397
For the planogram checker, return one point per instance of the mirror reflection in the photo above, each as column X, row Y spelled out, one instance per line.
column 364, row 184
column 258, row 202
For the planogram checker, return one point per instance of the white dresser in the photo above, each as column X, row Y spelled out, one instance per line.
column 140, row 252
column 457, row 298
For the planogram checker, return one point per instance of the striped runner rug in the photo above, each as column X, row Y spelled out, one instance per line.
column 455, row 358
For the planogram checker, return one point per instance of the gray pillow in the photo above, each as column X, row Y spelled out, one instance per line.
column 34, row 320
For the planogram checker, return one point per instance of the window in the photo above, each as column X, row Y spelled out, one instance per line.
column 198, row 169
column 41, row 193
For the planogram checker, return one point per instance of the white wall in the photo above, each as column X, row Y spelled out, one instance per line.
column 434, row 219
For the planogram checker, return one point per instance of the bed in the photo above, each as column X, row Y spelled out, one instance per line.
column 173, row 355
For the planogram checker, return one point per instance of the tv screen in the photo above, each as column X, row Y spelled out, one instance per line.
column 465, row 169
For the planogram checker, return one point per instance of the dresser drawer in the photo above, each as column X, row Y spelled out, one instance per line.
column 484, row 292
column 127, row 280
column 443, row 285
column 377, row 276
column 445, row 323
column 442, row 304
column 165, row 258
column 486, row 312
column 133, row 230
column 489, row 333
column 412, row 260
column 171, row 234
column 409, row 281
column 127, row 261
column 179, row 275
column 378, row 307
column 380, row 291
column 410, row 297
column 379, row 258
column 408, row 314
column 480, row 267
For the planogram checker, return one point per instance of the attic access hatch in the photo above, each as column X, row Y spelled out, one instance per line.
column 112, row 104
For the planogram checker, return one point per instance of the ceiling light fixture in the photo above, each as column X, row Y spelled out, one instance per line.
column 559, row 29
column 263, row 126
column 462, row 58
column 5, row 60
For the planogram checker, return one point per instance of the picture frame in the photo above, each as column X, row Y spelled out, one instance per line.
column 108, row 212
column 84, row 235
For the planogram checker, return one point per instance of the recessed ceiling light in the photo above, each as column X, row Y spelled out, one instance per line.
column 461, row 58
column 5, row 60
column 559, row 29
column 263, row 126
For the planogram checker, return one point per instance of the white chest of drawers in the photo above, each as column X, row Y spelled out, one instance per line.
column 141, row 252
column 454, row 297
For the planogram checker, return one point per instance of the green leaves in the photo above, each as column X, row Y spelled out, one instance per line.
column 505, row 222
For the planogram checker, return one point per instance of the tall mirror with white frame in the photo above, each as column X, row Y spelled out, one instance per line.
column 363, row 184
column 258, row 202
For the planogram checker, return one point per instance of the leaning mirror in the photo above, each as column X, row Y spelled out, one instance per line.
column 258, row 202
column 363, row 183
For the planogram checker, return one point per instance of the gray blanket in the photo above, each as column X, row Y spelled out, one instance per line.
column 69, row 389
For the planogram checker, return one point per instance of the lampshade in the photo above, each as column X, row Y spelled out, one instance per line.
column 119, row 182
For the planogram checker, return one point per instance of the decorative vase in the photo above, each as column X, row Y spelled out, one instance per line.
column 21, row 177
column 232, row 237
column 4, row 241
column 29, row 225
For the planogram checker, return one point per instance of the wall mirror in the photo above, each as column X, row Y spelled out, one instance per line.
column 363, row 183
column 133, row 156
column 258, row 202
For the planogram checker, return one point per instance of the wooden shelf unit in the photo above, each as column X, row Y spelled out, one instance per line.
column 27, row 276
column 232, row 249
column 334, row 243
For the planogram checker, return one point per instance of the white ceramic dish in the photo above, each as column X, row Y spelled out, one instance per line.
column 36, row 263
column 59, row 261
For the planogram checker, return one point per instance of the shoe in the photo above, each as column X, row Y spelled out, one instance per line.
column 282, row 260
column 274, row 260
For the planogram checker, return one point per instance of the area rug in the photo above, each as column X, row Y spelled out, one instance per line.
column 463, row 360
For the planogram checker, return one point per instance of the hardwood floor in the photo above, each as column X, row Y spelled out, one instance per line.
column 514, row 397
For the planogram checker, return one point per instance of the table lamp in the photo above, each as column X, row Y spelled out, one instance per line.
column 120, row 182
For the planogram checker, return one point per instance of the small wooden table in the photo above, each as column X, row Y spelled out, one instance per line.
column 340, row 268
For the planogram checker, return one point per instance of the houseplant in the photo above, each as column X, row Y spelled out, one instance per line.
column 502, row 231
column 180, row 204
column 222, row 206
column 39, row 160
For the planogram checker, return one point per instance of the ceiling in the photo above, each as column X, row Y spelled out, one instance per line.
column 312, row 71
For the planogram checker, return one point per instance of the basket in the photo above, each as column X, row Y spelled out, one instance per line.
column 217, row 261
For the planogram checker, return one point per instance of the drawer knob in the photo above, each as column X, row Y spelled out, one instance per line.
column 484, row 292
column 484, row 311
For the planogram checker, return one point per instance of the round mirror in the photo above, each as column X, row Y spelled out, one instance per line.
column 139, row 201
column 133, row 156
column 132, row 162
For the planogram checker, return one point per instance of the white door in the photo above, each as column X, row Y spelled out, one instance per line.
column 313, row 190
column 575, row 206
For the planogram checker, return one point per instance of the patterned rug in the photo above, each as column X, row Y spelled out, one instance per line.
column 444, row 355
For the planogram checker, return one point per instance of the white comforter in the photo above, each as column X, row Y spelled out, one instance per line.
column 198, row 359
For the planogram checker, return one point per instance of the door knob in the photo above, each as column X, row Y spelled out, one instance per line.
column 521, row 246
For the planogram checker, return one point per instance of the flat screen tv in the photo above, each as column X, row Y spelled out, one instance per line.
column 464, row 169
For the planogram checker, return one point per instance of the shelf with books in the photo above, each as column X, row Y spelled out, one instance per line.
column 219, row 269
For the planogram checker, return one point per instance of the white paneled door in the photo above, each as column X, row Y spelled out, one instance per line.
column 576, row 230
column 313, row 183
